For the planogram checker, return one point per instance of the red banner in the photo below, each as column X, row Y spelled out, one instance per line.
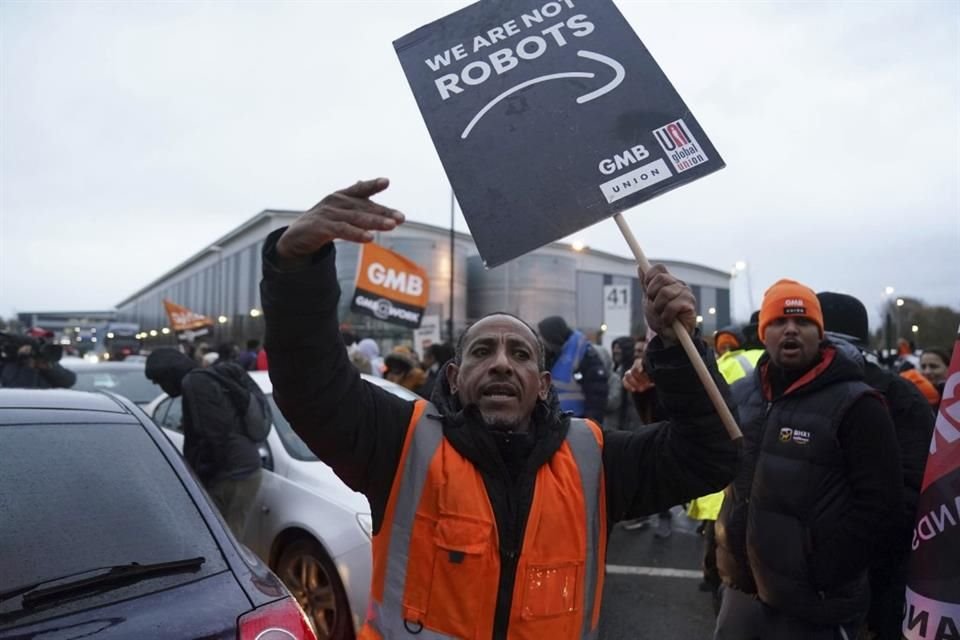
column 933, row 581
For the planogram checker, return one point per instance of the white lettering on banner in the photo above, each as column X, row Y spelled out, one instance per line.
column 930, row 619
column 407, row 283
column 636, row 180
column 384, row 309
column 935, row 522
column 633, row 155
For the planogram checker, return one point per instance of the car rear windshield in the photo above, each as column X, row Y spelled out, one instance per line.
column 81, row 496
column 129, row 383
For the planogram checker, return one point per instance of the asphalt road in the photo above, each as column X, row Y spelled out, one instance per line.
column 651, row 589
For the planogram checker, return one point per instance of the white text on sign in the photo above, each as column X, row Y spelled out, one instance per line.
column 503, row 60
column 396, row 280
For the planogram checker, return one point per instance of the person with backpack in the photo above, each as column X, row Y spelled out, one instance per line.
column 225, row 417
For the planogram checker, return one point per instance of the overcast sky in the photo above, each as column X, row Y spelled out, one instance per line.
column 134, row 133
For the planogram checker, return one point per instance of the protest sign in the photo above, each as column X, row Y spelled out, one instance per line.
column 426, row 335
column 390, row 287
column 548, row 117
column 933, row 581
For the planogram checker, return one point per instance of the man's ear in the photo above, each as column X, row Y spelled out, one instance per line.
column 452, row 370
column 545, row 380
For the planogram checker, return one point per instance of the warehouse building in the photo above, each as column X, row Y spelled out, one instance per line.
column 222, row 282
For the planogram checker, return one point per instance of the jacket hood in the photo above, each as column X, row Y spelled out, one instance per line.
column 167, row 367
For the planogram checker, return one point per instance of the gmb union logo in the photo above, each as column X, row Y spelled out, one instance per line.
column 785, row 434
column 382, row 309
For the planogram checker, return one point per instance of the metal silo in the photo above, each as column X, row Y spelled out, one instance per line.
column 531, row 287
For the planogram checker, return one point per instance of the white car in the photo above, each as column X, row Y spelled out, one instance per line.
column 311, row 529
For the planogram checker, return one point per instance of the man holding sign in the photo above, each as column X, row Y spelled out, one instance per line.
column 470, row 490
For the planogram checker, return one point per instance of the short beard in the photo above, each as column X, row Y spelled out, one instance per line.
column 499, row 424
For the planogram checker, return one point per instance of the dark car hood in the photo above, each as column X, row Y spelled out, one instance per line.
column 207, row 608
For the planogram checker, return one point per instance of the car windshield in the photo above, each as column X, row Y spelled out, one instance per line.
column 296, row 447
column 131, row 383
column 83, row 496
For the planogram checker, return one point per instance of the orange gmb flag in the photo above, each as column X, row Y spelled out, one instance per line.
column 933, row 578
column 390, row 287
column 183, row 319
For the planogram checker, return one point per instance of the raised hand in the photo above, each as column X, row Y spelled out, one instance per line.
column 348, row 214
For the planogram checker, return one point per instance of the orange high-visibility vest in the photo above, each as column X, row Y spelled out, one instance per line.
column 436, row 557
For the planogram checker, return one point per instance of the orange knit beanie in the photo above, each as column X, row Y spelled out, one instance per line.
column 789, row 298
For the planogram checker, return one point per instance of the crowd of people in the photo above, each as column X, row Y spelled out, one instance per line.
column 529, row 432
column 492, row 495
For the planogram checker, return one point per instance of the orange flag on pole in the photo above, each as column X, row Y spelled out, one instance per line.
column 183, row 319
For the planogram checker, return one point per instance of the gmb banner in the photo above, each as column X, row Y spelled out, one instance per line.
column 933, row 578
column 390, row 287
column 548, row 117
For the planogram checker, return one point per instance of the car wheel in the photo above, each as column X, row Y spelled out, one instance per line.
column 313, row 580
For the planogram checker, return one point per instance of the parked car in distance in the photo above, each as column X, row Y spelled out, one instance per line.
column 309, row 527
column 124, row 378
column 104, row 532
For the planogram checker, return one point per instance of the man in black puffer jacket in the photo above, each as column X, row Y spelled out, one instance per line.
column 225, row 460
column 845, row 317
column 820, row 491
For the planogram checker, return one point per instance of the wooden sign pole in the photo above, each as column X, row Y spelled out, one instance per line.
column 698, row 364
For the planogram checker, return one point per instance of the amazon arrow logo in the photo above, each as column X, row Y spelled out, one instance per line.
column 619, row 74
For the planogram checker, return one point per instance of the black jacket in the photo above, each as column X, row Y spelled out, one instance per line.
column 817, row 532
column 214, row 444
column 14, row 374
column 358, row 428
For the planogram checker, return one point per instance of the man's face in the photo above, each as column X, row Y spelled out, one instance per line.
column 793, row 343
column 500, row 372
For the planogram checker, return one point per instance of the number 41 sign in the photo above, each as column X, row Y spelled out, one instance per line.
column 616, row 312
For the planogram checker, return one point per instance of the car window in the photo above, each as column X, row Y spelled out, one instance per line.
column 83, row 496
column 296, row 447
column 169, row 414
column 129, row 383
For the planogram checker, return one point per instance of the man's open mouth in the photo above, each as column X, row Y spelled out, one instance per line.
column 499, row 390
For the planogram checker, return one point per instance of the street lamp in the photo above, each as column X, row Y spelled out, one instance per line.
column 741, row 266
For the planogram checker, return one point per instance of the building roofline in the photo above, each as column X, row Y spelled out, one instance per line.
column 267, row 214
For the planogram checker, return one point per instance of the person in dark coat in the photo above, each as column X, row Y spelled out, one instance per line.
column 579, row 375
column 224, row 459
column 845, row 317
column 820, row 490
column 493, row 407
column 434, row 357
column 32, row 366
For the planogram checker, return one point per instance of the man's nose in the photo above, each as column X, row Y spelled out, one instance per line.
column 791, row 326
column 501, row 360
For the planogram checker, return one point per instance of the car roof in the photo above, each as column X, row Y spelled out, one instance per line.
column 106, row 365
column 262, row 378
column 18, row 406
